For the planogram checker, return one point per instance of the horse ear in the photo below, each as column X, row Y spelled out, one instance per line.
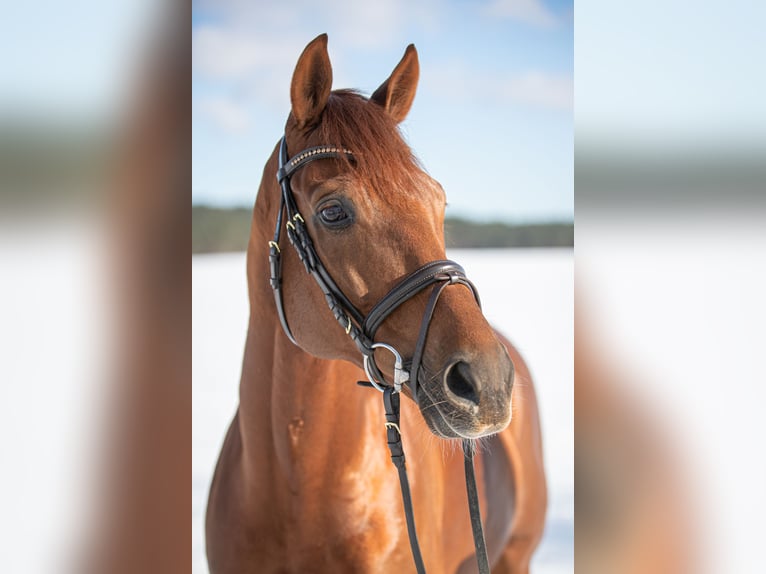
column 398, row 91
column 312, row 82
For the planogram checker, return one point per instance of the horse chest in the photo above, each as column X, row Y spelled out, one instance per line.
column 345, row 530
column 334, row 509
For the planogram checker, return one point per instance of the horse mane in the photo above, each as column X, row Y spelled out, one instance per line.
column 382, row 159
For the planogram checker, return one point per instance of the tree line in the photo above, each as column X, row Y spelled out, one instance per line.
column 218, row 230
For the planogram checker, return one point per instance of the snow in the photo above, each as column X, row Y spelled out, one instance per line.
column 527, row 294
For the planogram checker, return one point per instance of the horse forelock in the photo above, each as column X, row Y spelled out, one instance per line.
column 382, row 159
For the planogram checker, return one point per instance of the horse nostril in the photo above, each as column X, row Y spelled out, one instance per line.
column 460, row 383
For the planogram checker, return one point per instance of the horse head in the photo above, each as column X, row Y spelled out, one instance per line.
column 373, row 216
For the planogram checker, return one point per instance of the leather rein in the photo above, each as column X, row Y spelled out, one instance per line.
column 439, row 274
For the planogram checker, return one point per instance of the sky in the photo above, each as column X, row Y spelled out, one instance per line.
column 76, row 63
column 493, row 115
column 672, row 76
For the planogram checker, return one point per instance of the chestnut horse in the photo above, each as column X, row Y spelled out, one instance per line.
column 304, row 482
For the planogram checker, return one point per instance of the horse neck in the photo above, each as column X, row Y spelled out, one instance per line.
column 310, row 436
column 290, row 400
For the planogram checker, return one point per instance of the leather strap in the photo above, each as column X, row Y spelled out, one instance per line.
column 417, row 356
column 391, row 404
column 473, row 507
column 275, row 267
column 408, row 288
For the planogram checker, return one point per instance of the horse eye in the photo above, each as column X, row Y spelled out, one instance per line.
column 333, row 214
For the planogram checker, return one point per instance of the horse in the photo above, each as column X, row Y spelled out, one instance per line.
column 304, row 482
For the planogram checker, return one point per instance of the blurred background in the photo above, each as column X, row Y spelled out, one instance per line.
column 95, row 294
column 670, row 174
column 95, row 290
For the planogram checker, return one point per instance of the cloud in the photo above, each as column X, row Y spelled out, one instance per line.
column 224, row 53
column 255, row 67
column 527, row 11
column 225, row 114
column 221, row 54
column 458, row 80
column 542, row 90
column 259, row 33
column 249, row 48
column 370, row 24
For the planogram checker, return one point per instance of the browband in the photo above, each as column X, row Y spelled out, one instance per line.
column 287, row 168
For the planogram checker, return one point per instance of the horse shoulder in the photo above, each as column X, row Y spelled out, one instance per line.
column 521, row 442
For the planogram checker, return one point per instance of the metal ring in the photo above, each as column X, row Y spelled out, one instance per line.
column 275, row 245
column 400, row 375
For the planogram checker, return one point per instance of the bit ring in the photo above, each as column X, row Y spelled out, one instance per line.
column 400, row 375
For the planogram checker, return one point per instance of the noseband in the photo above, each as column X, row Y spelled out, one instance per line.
column 362, row 329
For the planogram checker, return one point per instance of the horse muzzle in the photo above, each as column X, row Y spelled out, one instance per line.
column 468, row 398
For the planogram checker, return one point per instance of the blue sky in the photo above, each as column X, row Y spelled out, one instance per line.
column 492, row 120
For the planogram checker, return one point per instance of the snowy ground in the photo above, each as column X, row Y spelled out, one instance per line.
column 527, row 294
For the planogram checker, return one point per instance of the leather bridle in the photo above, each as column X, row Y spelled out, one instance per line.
column 439, row 274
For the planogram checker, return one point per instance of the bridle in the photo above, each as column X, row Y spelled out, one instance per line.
column 361, row 329
column 439, row 274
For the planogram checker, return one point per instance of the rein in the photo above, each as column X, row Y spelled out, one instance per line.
column 439, row 274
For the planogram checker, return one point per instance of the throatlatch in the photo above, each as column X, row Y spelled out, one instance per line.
column 361, row 329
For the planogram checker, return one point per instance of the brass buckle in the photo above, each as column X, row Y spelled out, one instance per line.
column 394, row 426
